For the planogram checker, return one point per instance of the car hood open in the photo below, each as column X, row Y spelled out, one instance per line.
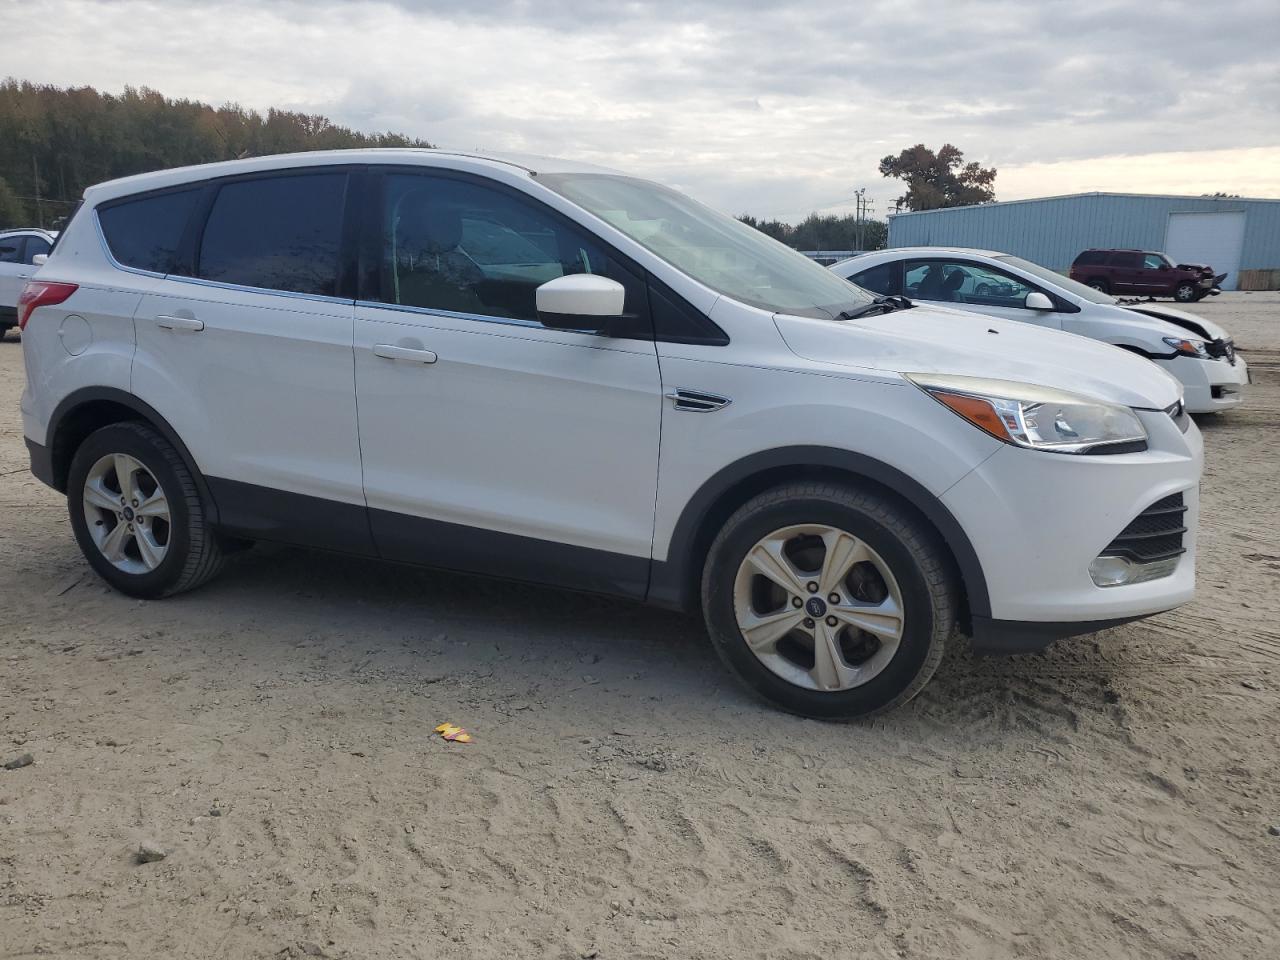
column 939, row 340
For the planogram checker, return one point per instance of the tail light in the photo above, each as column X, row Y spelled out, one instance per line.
column 41, row 293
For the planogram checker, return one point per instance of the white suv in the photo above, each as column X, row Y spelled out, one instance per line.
column 545, row 371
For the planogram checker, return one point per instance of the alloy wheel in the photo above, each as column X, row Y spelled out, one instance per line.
column 818, row 607
column 127, row 513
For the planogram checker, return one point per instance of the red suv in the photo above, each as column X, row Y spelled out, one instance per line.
column 1144, row 272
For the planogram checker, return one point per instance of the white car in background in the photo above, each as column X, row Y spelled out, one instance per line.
column 18, row 250
column 1198, row 352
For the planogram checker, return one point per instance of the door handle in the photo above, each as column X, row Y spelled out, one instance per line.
column 189, row 324
column 389, row 351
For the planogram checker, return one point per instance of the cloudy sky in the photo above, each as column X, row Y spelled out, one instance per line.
column 774, row 109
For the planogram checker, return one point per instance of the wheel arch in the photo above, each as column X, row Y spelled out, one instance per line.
column 674, row 582
column 82, row 412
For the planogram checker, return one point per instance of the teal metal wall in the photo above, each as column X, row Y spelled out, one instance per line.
column 1053, row 230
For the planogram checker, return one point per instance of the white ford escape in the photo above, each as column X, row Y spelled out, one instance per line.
column 545, row 371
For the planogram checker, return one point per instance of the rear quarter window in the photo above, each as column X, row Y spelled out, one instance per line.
column 144, row 233
column 1091, row 258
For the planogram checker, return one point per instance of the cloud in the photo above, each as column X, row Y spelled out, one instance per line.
column 771, row 109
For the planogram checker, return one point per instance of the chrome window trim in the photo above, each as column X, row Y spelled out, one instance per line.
column 245, row 288
column 454, row 315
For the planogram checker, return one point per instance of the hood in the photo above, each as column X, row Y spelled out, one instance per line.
column 1196, row 326
column 939, row 340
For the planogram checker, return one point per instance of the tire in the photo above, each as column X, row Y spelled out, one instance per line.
column 1100, row 285
column 1185, row 293
column 904, row 558
column 183, row 551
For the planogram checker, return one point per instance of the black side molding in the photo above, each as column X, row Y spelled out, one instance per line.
column 41, row 462
column 673, row 582
column 995, row 638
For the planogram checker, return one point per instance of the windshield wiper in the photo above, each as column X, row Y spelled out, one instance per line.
column 879, row 305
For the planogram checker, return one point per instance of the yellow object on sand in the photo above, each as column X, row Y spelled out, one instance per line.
column 452, row 732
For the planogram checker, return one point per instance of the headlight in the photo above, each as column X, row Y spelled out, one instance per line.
column 1189, row 348
column 1042, row 418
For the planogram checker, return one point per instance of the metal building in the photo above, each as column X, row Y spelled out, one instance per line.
column 1236, row 236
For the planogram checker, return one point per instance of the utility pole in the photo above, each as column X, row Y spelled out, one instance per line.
column 860, row 205
column 35, row 175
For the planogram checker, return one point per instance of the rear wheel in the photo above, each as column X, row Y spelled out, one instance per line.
column 1185, row 293
column 137, row 514
column 1100, row 285
column 828, row 601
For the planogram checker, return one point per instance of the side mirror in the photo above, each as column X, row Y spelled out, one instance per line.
column 1038, row 301
column 39, row 259
column 580, row 301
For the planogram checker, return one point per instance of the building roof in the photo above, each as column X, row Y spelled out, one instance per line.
column 1080, row 196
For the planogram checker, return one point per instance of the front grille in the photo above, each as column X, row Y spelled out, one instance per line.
column 1226, row 349
column 1154, row 534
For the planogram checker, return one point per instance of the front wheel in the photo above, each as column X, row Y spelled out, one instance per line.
column 1185, row 293
column 828, row 601
column 137, row 514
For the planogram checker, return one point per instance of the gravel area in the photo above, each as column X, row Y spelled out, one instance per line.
column 251, row 770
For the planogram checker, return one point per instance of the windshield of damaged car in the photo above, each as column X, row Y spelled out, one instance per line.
column 724, row 254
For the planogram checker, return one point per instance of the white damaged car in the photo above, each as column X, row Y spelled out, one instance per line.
column 1196, row 351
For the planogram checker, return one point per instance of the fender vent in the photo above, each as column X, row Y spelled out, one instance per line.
column 695, row 401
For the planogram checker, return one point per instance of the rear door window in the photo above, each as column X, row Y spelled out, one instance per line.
column 1129, row 261
column 882, row 279
column 145, row 232
column 276, row 233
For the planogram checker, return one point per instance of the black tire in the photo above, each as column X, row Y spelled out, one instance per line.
column 194, row 552
column 1185, row 293
column 1100, row 285
column 919, row 563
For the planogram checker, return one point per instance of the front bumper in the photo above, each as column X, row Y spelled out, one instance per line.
column 1038, row 520
column 1210, row 386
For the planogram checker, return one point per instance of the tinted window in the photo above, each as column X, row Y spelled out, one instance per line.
column 35, row 247
column 881, row 279
column 464, row 247
column 145, row 233
column 278, row 233
column 953, row 281
column 11, row 249
column 1091, row 258
column 1129, row 260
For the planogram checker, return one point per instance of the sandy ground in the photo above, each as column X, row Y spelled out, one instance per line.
column 624, row 798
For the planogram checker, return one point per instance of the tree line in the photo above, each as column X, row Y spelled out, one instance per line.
column 54, row 142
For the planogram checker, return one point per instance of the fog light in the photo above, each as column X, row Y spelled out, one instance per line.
column 1117, row 571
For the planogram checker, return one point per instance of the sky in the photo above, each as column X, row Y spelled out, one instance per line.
column 774, row 109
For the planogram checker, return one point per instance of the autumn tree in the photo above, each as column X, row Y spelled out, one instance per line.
column 939, row 179
column 56, row 141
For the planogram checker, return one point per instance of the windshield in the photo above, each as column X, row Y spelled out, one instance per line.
column 720, row 252
column 1059, row 281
